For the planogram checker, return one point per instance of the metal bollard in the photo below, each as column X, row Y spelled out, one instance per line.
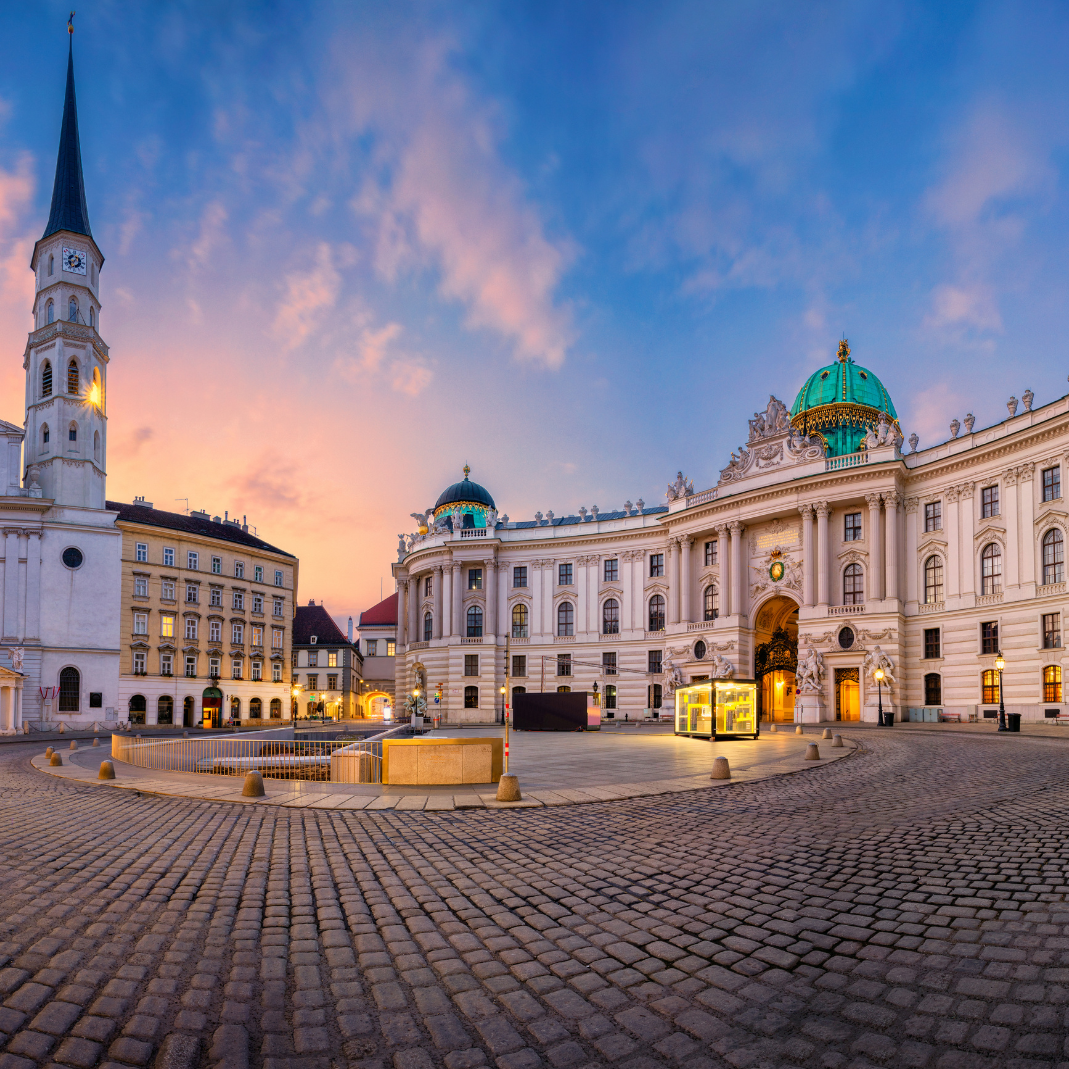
column 721, row 769
column 811, row 753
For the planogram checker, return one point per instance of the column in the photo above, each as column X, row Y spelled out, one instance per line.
column 967, row 530
column 807, row 554
column 11, row 584
column 457, row 607
column 890, row 516
column 911, row 563
column 445, row 610
column 874, row 580
column 33, row 586
column 439, row 594
column 17, row 694
column 503, row 618
column 402, row 605
column 823, row 512
column 534, row 577
column 686, row 546
column 953, row 570
column 1026, row 506
column 1012, row 565
column 5, row 710
column 593, row 578
column 736, row 529
column 672, row 550
column 723, row 556
column 415, row 632
column 490, row 623
column 628, row 578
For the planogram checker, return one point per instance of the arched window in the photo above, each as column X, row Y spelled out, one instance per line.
column 50, row 312
column 1053, row 557
column 933, row 689
column 72, row 432
column 137, row 707
column 475, row 622
column 933, row 581
column 610, row 617
column 96, row 394
column 276, row 708
column 44, row 434
column 92, row 317
column 989, row 685
column 428, row 627
column 235, row 708
column 256, row 709
column 1052, row 684
column 72, row 378
column 565, row 618
column 515, row 691
column 471, row 697
column 610, row 697
column 654, row 695
column 46, row 379
column 656, row 613
column 853, row 585
column 712, row 603
column 96, row 446
column 991, row 569
column 70, row 684
column 51, row 265
column 187, row 711
column 165, row 709
column 72, row 309
column 519, row 621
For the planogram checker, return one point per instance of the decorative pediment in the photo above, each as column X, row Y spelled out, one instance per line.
column 929, row 544
column 610, row 592
column 991, row 532
column 772, row 443
column 709, row 575
column 854, row 556
column 1052, row 515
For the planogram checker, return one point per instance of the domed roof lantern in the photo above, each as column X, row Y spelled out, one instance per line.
column 465, row 492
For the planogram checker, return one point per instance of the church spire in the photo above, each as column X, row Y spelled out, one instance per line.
column 69, row 211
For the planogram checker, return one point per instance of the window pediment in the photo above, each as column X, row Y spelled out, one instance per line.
column 991, row 533
column 1052, row 515
column 930, row 545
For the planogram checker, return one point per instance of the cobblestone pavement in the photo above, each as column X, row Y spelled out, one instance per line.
column 904, row 907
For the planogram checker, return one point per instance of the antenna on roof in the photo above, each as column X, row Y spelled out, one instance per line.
column 186, row 500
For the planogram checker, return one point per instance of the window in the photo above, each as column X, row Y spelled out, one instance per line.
column 191, row 667
column 1052, row 484
column 166, row 664
column 989, row 501
column 276, row 607
column 44, row 435
column 989, row 684
column 50, row 312
column 70, row 683
column 72, row 432
column 313, row 681
column 564, row 664
column 564, row 575
column 471, row 664
column 215, row 630
column 96, row 446
column 1053, row 557
column 276, row 677
column 278, row 579
column 475, row 578
column 236, row 668
column 853, row 585
column 257, row 671
column 710, row 552
column 565, row 618
column 475, row 622
column 167, row 590
column 933, row 580
column 51, row 264
column 519, row 664
column 991, row 569
column 239, row 569
column 852, row 527
column 1052, row 630
column 519, row 576
column 276, row 638
column 217, row 565
column 192, row 596
column 1052, row 684
column 168, row 557
column 519, row 621
column 608, row 663
column 239, row 601
column 216, row 597
column 610, row 617
column 313, row 659
column 256, row 706
column 373, row 647
column 332, row 682
column 192, row 561
column 92, row 317
column 471, row 697
column 711, row 609
column 428, row 627
column 931, row 643
column 72, row 315
column 611, row 571
column 258, row 637
column 140, row 623
column 191, row 628
column 46, row 379
column 390, row 647
column 564, row 690
column 656, row 565
column 140, row 586
column 933, row 689
column 653, row 664
column 989, row 637
column 610, row 697
column 258, row 574
column 653, row 696
column 258, row 603
column 139, row 664
column 656, row 613
column 166, row 625
column 141, row 552
column 515, row 691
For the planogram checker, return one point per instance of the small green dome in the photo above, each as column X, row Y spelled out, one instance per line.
column 464, row 492
column 840, row 402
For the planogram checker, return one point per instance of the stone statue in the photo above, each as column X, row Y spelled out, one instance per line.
column 1027, row 397
column 17, row 655
column 810, row 674
column 774, row 420
column 970, row 419
column 673, row 675
column 402, row 549
column 458, row 520
column 955, row 426
column 874, row 659
column 680, row 488
column 491, row 519
column 1011, row 404
column 720, row 667
column 914, row 441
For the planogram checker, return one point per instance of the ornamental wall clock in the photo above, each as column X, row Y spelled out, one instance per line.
column 74, row 260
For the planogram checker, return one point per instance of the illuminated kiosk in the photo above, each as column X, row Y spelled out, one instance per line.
column 735, row 704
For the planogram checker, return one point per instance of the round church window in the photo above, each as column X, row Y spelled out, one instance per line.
column 72, row 557
column 699, row 650
column 846, row 638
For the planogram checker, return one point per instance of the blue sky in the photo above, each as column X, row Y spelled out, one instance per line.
column 351, row 247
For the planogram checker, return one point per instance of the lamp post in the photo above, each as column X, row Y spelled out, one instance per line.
column 501, row 691
column 1000, row 663
column 295, row 691
column 878, row 676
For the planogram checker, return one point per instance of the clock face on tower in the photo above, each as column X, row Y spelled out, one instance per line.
column 74, row 260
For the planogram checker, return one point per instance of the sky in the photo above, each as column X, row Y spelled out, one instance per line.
column 351, row 247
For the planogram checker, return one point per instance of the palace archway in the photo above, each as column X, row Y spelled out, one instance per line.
column 776, row 657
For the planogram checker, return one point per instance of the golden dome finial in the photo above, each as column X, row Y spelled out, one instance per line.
column 844, row 350
column 467, row 471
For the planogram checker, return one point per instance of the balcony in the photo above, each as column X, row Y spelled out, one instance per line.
column 989, row 599
column 418, row 645
column 519, row 640
column 473, row 532
column 472, row 641
column 845, row 610
column 931, row 606
column 1050, row 588
column 705, row 625
column 564, row 638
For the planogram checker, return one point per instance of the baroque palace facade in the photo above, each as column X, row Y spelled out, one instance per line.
column 827, row 549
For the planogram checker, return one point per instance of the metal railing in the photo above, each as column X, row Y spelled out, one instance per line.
column 275, row 754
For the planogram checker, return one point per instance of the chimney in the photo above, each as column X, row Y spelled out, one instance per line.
column 350, row 629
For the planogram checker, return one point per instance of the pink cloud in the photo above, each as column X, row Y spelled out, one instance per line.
column 16, row 280
column 308, row 295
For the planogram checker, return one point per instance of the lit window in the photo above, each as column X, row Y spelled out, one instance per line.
column 475, row 578
column 166, row 626
column 989, row 683
column 471, row 697
column 257, row 636
column 610, row 697
column 519, row 621
column 1052, row 684
column 390, row 647
column 332, row 659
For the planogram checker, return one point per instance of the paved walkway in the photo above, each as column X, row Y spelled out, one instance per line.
column 905, row 907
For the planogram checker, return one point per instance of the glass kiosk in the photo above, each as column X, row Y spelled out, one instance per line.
column 718, row 709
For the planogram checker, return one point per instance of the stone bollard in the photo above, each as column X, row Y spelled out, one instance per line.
column 837, row 740
column 96, row 742
column 55, row 759
column 185, row 734
column 798, row 730
column 49, row 751
column 62, row 728
column 254, row 786
column 721, row 768
column 74, row 745
column 772, row 727
column 508, row 788
column 107, row 770
column 811, row 753
column 827, row 733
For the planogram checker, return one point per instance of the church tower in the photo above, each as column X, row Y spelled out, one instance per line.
column 66, row 361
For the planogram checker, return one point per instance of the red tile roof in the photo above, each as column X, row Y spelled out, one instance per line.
column 311, row 620
column 382, row 614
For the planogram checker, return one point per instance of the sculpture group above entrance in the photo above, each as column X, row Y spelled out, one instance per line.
column 773, row 443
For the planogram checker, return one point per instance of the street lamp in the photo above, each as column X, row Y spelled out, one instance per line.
column 1000, row 663
column 878, row 676
column 502, row 692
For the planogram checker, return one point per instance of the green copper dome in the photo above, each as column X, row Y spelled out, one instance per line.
column 840, row 402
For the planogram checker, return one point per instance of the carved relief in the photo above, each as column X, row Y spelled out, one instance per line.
column 773, row 443
column 912, row 504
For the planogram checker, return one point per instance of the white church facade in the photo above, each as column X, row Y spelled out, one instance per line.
column 828, row 548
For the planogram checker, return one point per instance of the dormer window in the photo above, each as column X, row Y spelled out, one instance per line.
column 312, row 640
